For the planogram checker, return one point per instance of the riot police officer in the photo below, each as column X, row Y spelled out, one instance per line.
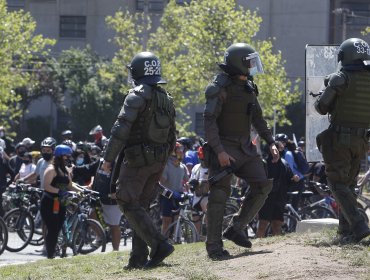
column 231, row 108
column 145, row 132
column 346, row 99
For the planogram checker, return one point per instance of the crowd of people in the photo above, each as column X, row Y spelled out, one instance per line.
column 144, row 149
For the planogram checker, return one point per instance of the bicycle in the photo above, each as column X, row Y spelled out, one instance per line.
column 19, row 221
column 182, row 230
column 3, row 235
column 92, row 204
column 81, row 234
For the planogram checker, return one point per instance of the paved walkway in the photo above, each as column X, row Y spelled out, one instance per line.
column 29, row 254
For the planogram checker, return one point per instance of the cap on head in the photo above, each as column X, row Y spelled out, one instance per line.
column 96, row 129
column 66, row 132
column 145, row 68
column 28, row 141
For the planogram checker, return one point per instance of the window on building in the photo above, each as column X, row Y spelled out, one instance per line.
column 15, row 5
column 72, row 27
column 199, row 127
column 359, row 13
column 182, row 2
column 153, row 5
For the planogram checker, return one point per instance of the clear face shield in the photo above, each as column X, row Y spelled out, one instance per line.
column 254, row 64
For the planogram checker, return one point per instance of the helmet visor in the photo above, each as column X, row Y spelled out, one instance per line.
column 254, row 63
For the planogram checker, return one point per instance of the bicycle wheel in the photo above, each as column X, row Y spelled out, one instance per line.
column 185, row 233
column 3, row 235
column 317, row 212
column 126, row 231
column 230, row 208
column 289, row 225
column 88, row 237
column 20, row 229
column 38, row 237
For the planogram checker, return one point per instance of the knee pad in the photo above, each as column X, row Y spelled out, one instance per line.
column 263, row 188
column 217, row 196
column 128, row 206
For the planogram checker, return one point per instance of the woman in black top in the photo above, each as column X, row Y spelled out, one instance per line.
column 57, row 181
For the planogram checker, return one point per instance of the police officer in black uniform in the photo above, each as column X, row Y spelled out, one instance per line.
column 346, row 99
column 145, row 132
column 231, row 109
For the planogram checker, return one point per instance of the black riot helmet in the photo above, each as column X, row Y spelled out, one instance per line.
column 145, row 68
column 353, row 51
column 241, row 59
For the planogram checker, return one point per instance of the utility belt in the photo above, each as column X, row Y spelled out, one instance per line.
column 143, row 154
column 361, row 132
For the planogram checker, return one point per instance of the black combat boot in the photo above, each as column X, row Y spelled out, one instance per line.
column 219, row 255
column 163, row 250
column 238, row 237
column 361, row 231
column 136, row 262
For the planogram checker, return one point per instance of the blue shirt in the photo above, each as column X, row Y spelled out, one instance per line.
column 290, row 160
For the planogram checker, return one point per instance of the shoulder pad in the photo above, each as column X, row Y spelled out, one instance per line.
column 337, row 80
column 222, row 80
column 143, row 90
column 134, row 99
column 212, row 91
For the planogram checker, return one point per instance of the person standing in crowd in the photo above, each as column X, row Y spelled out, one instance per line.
column 190, row 156
column 27, row 167
column 47, row 150
column 9, row 145
column 231, row 108
column 16, row 161
column 28, row 142
column 346, row 99
column 57, row 181
column 300, row 167
column 174, row 177
column 99, row 139
column 67, row 135
column 4, row 174
column 200, row 185
column 272, row 212
column 146, row 130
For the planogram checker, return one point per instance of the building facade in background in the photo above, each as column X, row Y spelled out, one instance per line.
column 290, row 23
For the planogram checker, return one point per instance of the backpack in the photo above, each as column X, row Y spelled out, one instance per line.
column 301, row 162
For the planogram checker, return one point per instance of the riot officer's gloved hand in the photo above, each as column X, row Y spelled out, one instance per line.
column 326, row 80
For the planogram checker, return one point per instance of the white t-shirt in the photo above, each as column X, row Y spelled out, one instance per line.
column 198, row 173
column 26, row 169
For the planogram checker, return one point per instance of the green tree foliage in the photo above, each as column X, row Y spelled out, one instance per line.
column 366, row 31
column 95, row 97
column 129, row 29
column 20, row 50
column 191, row 40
